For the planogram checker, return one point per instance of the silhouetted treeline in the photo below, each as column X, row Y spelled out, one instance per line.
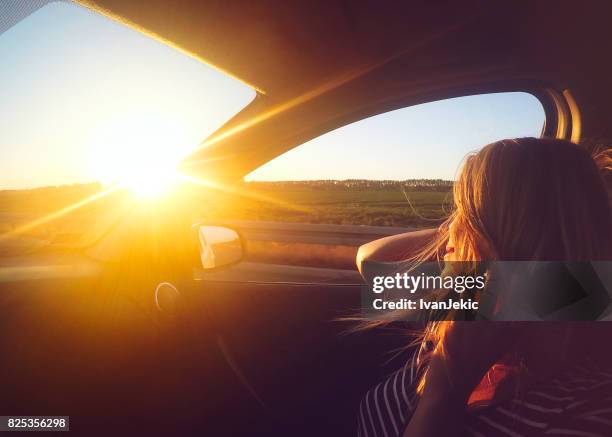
column 355, row 184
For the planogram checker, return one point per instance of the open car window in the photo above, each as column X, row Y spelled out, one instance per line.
column 88, row 103
column 306, row 212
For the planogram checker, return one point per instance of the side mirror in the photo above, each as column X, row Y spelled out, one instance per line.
column 219, row 246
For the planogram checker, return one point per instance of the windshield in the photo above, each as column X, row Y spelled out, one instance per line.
column 87, row 103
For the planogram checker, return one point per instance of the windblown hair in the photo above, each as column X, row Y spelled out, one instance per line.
column 526, row 199
column 530, row 199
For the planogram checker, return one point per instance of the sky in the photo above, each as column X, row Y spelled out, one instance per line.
column 427, row 141
column 83, row 98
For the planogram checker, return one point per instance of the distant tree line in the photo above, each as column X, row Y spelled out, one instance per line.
column 355, row 184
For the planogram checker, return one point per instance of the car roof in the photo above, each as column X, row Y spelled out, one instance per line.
column 318, row 65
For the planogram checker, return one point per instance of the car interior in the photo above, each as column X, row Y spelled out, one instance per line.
column 140, row 336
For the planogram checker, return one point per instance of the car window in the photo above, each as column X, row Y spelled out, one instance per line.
column 88, row 103
column 314, row 205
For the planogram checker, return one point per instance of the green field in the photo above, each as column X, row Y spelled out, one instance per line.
column 390, row 206
column 330, row 202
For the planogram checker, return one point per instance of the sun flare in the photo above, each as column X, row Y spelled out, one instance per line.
column 140, row 153
column 150, row 182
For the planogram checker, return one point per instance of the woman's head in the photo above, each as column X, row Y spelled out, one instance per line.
column 530, row 199
column 526, row 199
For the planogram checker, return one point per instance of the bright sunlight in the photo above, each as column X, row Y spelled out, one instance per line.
column 120, row 107
column 140, row 152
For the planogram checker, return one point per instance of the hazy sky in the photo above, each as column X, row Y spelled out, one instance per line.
column 83, row 98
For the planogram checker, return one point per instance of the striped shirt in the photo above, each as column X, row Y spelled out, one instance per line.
column 578, row 403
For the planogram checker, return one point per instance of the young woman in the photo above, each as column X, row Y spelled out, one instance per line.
column 515, row 200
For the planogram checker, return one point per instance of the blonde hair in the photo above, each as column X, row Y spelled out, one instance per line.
column 525, row 199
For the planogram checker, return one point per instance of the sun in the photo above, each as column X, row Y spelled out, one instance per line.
column 139, row 152
column 150, row 182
